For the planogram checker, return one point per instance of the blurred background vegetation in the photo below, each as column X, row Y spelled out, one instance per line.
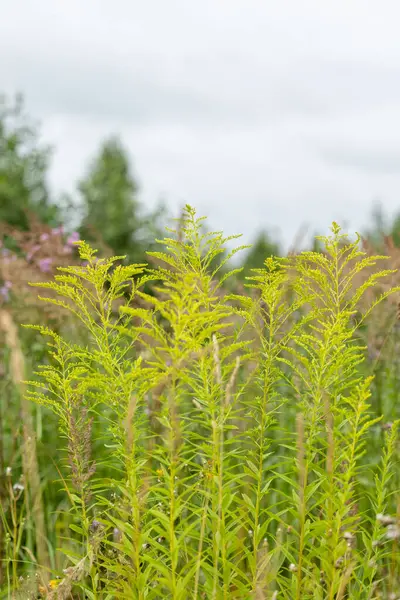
column 37, row 231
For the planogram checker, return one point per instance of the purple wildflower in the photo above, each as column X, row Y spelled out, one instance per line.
column 45, row 264
column 74, row 237
column 44, row 237
column 4, row 290
column 58, row 230
column 32, row 251
column 7, row 255
column 94, row 525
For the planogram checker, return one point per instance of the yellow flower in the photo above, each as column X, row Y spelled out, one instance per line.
column 53, row 583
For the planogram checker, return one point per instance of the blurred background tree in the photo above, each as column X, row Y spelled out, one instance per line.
column 112, row 211
column 379, row 227
column 395, row 230
column 263, row 246
column 24, row 164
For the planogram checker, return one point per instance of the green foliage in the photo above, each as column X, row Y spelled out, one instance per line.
column 379, row 226
column 383, row 227
column 111, row 209
column 262, row 248
column 23, row 169
column 237, row 427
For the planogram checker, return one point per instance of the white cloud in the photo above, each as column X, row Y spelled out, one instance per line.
column 259, row 113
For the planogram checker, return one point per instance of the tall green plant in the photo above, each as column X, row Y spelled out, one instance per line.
column 236, row 427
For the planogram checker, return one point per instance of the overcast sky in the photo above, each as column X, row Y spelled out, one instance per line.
column 257, row 112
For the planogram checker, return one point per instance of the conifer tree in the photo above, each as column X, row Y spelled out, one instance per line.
column 24, row 164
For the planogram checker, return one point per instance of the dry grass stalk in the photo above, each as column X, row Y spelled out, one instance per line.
column 72, row 575
column 344, row 583
column 263, row 560
column 2, row 490
column 331, row 441
column 231, row 383
column 29, row 456
column 217, row 361
column 301, row 460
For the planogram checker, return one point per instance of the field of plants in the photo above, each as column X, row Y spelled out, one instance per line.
column 179, row 430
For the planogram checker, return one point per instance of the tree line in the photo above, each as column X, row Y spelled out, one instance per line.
column 106, row 205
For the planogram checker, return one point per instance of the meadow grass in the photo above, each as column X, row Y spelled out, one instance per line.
column 212, row 445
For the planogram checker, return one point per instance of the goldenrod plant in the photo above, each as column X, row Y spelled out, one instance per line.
column 234, row 428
